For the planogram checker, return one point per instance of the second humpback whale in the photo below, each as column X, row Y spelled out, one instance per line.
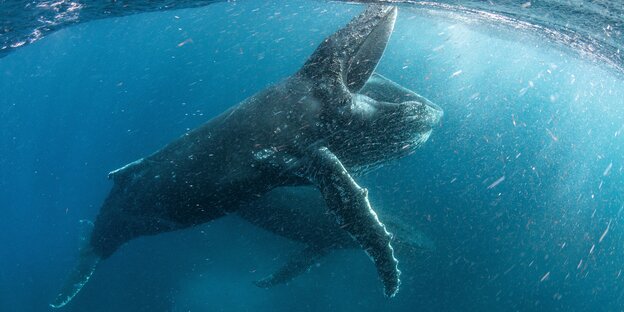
column 314, row 128
column 299, row 214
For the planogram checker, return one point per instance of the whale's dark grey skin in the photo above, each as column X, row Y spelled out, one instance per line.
column 300, row 214
column 313, row 128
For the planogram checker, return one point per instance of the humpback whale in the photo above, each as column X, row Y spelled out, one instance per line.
column 299, row 214
column 313, row 128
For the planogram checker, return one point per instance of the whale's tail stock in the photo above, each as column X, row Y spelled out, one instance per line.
column 80, row 275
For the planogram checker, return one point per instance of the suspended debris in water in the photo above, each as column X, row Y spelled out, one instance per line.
column 183, row 43
column 606, row 171
column 497, row 182
column 552, row 135
column 605, row 232
column 455, row 74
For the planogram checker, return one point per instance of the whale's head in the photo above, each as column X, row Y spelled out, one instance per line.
column 367, row 118
column 384, row 121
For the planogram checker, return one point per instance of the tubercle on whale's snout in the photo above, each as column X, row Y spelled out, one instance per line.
column 435, row 114
column 424, row 112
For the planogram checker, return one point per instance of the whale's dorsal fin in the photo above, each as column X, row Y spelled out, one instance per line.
column 296, row 265
column 120, row 172
column 351, row 54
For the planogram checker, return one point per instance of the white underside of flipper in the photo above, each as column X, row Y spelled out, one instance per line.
column 87, row 262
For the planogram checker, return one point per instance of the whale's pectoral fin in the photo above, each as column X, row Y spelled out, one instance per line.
column 87, row 262
column 297, row 264
column 349, row 203
column 351, row 54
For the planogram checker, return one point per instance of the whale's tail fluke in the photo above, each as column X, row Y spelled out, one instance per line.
column 87, row 262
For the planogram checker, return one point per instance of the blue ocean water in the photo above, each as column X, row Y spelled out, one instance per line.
column 519, row 188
